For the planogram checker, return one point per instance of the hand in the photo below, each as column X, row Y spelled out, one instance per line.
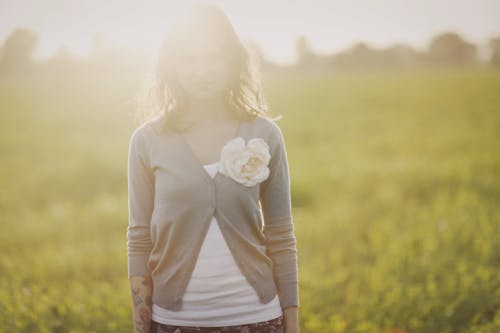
column 291, row 319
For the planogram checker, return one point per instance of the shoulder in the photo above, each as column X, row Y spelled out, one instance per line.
column 269, row 128
column 142, row 136
column 147, row 129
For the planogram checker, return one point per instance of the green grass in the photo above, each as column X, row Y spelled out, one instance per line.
column 396, row 196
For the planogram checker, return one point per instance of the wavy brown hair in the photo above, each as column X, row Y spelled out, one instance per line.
column 244, row 94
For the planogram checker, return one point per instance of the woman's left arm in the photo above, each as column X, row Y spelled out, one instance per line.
column 279, row 232
column 291, row 316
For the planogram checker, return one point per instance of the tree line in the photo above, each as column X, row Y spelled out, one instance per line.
column 445, row 49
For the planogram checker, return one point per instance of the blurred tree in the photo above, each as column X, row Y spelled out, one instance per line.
column 360, row 54
column 16, row 56
column 450, row 48
column 494, row 45
column 305, row 56
column 62, row 63
column 399, row 54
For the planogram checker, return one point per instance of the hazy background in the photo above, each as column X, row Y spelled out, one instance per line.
column 331, row 26
column 391, row 116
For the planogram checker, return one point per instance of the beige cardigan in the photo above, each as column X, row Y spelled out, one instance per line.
column 171, row 201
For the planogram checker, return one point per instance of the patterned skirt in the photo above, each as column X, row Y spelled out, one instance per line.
column 275, row 325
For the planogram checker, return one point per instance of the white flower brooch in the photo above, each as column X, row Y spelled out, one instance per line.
column 246, row 164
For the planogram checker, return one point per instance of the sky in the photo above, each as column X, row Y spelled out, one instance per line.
column 330, row 26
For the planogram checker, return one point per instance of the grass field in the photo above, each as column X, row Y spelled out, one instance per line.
column 396, row 196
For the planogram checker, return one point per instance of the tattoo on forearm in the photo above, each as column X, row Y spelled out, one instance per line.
column 145, row 315
column 139, row 327
column 136, row 297
column 142, row 299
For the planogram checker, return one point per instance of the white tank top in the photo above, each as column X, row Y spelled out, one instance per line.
column 217, row 294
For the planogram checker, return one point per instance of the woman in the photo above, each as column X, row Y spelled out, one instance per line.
column 211, row 246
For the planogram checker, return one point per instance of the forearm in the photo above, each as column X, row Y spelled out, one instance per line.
column 282, row 249
column 142, row 291
column 291, row 316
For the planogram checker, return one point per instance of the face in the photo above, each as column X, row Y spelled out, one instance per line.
column 202, row 70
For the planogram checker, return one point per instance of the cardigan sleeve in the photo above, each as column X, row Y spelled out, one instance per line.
column 140, row 203
column 278, row 224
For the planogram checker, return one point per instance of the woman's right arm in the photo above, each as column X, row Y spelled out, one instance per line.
column 142, row 291
column 139, row 244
